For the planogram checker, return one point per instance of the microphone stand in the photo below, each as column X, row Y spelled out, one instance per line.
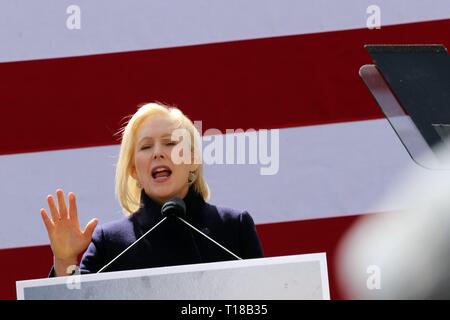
column 209, row 238
column 129, row 247
column 174, row 207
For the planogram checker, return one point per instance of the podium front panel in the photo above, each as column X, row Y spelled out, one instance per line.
column 287, row 277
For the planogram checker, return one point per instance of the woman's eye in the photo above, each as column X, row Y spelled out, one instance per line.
column 172, row 143
column 145, row 147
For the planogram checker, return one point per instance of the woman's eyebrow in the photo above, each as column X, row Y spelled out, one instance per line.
column 164, row 136
column 144, row 139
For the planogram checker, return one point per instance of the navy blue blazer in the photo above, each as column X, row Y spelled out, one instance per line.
column 172, row 242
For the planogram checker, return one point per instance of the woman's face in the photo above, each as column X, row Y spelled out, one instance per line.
column 153, row 166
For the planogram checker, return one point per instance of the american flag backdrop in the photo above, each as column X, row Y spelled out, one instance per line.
column 290, row 65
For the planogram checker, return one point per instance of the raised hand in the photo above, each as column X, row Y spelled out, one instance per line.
column 67, row 240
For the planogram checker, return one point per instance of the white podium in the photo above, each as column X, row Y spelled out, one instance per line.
column 286, row 277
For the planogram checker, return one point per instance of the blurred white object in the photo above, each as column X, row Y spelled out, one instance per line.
column 403, row 254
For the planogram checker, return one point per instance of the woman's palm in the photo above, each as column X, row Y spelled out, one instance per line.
column 67, row 239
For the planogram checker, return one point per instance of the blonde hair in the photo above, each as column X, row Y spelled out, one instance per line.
column 127, row 190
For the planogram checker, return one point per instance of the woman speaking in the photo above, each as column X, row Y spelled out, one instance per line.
column 147, row 176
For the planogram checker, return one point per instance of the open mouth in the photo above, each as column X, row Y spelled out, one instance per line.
column 161, row 173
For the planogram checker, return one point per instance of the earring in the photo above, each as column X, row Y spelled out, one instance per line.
column 191, row 177
column 138, row 184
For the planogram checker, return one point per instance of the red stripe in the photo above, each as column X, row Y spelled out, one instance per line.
column 308, row 236
column 265, row 83
column 299, row 237
column 22, row 264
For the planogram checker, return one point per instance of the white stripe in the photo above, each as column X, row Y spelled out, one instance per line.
column 37, row 29
column 325, row 171
column 27, row 179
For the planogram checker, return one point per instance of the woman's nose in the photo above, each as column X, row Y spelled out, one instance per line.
column 158, row 151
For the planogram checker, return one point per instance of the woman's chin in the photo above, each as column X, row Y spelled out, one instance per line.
column 162, row 191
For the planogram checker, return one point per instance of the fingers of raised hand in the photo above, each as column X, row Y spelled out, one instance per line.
column 53, row 210
column 73, row 211
column 47, row 221
column 61, row 204
column 90, row 227
column 59, row 211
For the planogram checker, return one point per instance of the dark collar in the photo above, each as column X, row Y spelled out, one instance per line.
column 149, row 212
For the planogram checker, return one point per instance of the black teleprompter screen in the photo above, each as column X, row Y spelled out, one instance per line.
column 419, row 76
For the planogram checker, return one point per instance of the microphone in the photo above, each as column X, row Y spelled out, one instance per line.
column 168, row 209
column 176, row 207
